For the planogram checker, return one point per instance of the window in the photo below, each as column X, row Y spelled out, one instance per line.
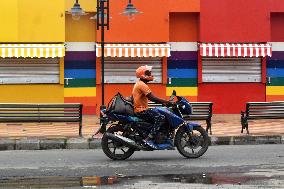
column 29, row 70
column 231, row 69
column 122, row 70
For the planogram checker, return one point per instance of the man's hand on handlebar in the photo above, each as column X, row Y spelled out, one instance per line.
column 169, row 104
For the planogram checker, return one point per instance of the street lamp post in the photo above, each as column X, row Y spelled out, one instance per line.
column 102, row 22
column 102, row 9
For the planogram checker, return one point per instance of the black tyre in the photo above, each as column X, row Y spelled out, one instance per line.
column 192, row 144
column 115, row 150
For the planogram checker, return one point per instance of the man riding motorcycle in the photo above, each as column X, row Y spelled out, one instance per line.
column 141, row 94
column 159, row 128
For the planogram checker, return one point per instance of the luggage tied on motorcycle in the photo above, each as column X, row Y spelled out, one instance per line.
column 119, row 105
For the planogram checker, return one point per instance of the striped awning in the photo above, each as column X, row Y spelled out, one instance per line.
column 134, row 50
column 235, row 50
column 32, row 50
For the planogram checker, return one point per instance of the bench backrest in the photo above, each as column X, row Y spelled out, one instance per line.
column 198, row 108
column 66, row 112
column 263, row 110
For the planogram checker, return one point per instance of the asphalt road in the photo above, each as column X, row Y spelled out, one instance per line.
column 249, row 165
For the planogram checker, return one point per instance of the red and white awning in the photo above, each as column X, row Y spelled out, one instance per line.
column 235, row 50
column 134, row 50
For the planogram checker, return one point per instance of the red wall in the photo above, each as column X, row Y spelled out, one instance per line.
column 231, row 98
column 277, row 27
column 276, row 5
column 234, row 21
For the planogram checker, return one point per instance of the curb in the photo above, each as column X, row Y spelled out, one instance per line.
column 89, row 143
column 247, row 140
column 49, row 143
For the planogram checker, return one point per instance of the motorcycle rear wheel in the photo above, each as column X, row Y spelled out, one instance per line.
column 115, row 150
column 192, row 144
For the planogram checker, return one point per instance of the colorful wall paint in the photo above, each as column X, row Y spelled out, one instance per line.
column 32, row 93
column 182, row 70
column 275, row 64
column 275, row 73
column 80, row 79
column 238, row 21
column 182, row 65
column 178, row 22
column 157, row 31
column 32, row 21
column 126, row 88
column 80, row 63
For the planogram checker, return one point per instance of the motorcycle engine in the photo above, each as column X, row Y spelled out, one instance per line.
column 160, row 138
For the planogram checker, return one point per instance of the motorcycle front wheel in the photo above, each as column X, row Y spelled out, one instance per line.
column 192, row 144
column 113, row 149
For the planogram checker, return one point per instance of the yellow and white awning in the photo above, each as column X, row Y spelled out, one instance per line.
column 32, row 50
column 134, row 50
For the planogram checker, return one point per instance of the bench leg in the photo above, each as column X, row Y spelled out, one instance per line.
column 209, row 124
column 80, row 129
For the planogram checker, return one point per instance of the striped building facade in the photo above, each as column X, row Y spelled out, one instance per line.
column 275, row 73
column 182, row 70
column 80, row 63
column 48, row 72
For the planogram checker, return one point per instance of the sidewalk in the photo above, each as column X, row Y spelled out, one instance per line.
column 225, row 130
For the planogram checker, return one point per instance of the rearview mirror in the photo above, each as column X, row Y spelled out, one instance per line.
column 174, row 93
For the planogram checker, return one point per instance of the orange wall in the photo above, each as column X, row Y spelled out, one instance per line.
column 151, row 26
column 184, row 5
column 126, row 90
column 184, row 27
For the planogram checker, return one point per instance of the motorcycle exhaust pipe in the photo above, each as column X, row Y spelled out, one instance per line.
column 126, row 141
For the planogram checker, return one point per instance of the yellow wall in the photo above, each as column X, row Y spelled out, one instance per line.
column 32, row 21
column 32, row 93
column 83, row 30
column 9, row 21
column 86, row 5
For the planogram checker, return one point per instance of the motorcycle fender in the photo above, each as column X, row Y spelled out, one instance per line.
column 191, row 125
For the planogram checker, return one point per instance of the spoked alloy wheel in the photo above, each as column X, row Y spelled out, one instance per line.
column 192, row 144
column 113, row 149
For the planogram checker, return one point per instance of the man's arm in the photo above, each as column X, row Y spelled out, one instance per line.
column 153, row 98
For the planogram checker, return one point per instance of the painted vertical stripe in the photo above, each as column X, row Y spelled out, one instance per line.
column 80, row 73
column 80, row 92
column 182, row 91
column 275, row 90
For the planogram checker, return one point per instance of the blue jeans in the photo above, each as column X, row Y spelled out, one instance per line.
column 153, row 116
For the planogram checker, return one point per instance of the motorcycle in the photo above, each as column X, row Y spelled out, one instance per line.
column 125, row 133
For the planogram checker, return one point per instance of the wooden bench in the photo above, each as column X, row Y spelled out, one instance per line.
column 200, row 111
column 261, row 110
column 21, row 112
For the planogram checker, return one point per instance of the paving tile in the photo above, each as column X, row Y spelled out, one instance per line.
column 220, row 127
